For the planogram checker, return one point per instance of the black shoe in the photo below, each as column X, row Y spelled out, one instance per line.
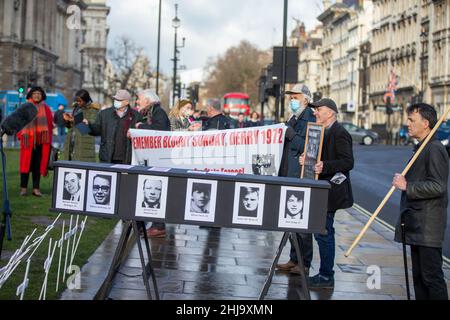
column 319, row 281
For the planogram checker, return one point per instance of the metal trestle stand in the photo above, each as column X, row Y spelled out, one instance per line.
column 130, row 237
column 303, row 279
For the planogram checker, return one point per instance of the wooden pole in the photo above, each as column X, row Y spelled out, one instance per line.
column 391, row 191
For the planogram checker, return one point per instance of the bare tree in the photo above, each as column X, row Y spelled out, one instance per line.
column 238, row 69
column 131, row 68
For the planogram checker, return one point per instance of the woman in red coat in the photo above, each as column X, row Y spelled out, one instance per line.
column 35, row 143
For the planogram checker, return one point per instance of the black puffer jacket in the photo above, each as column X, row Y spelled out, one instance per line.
column 423, row 205
column 106, row 125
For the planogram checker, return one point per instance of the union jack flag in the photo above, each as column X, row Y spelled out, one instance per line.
column 391, row 87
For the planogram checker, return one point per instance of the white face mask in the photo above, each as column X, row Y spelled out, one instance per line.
column 117, row 104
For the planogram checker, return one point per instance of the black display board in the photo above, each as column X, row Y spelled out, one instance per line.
column 313, row 150
column 178, row 196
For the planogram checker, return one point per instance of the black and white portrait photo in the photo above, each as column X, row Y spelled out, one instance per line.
column 101, row 192
column 294, row 207
column 152, row 189
column 201, row 200
column 101, row 189
column 70, row 189
column 248, row 203
column 72, row 186
column 200, row 197
column 151, row 196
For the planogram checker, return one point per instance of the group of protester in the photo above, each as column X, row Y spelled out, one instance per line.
column 424, row 188
column 424, row 199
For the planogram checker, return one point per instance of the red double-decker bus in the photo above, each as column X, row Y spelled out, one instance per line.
column 237, row 102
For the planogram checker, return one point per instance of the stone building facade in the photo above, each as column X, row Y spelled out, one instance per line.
column 346, row 26
column 42, row 43
column 438, row 38
column 95, row 36
column 410, row 38
column 310, row 60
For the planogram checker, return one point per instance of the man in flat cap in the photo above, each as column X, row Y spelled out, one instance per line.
column 112, row 125
column 337, row 161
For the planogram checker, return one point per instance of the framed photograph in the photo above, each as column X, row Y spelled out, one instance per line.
column 70, row 189
column 151, row 196
column 101, row 192
column 313, row 150
column 248, row 204
column 294, row 207
column 264, row 165
column 200, row 200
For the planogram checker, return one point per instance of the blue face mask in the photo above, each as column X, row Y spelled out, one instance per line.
column 117, row 104
column 295, row 105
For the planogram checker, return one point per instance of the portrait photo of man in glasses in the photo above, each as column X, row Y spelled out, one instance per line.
column 101, row 189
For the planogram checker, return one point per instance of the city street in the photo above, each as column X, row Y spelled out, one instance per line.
column 372, row 177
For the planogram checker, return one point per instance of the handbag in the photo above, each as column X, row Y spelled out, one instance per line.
column 54, row 155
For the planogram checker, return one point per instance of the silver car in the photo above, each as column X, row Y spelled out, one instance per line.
column 360, row 135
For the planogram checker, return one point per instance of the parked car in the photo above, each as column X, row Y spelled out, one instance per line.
column 443, row 134
column 404, row 138
column 360, row 135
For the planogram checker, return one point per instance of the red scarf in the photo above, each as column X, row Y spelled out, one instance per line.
column 36, row 132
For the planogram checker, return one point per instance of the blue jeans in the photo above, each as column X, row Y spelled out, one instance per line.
column 61, row 136
column 327, row 248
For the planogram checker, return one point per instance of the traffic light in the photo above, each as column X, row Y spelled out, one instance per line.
column 389, row 110
column 177, row 90
column 189, row 93
column 21, row 87
column 195, row 93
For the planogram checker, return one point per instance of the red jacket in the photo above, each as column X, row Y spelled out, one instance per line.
column 25, row 153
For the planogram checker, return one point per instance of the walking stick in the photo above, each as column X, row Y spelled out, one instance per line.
column 391, row 191
column 405, row 259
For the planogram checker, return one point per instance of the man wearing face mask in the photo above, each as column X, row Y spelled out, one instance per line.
column 299, row 99
column 112, row 125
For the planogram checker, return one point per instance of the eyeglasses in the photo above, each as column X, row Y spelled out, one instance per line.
column 96, row 188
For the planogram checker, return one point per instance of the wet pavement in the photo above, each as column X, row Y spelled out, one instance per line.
column 194, row 263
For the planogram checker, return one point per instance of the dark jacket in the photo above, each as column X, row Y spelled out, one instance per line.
column 218, row 122
column 337, row 156
column 251, row 124
column 58, row 118
column 155, row 119
column 105, row 126
column 423, row 205
column 290, row 166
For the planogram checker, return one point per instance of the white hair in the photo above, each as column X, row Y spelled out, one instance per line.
column 150, row 95
column 308, row 98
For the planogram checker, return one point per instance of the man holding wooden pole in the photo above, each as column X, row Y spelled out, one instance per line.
column 423, row 206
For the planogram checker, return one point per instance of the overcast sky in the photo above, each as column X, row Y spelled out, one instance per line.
column 210, row 26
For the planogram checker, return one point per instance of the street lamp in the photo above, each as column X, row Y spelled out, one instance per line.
column 352, row 59
column 159, row 46
column 423, row 38
column 328, row 81
column 176, row 23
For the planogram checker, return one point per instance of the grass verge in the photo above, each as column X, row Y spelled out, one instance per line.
column 31, row 212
